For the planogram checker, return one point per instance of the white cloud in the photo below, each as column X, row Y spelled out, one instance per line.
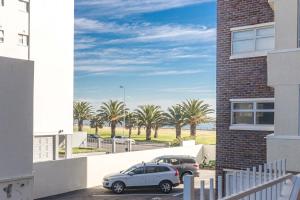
column 121, row 8
column 174, row 72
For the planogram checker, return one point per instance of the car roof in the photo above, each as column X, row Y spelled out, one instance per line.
column 152, row 164
column 177, row 156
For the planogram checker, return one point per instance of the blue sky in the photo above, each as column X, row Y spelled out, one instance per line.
column 162, row 51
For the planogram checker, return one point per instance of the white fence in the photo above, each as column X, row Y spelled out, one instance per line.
column 267, row 182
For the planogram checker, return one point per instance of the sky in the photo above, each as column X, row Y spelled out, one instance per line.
column 161, row 51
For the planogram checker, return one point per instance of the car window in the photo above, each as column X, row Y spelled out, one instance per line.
column 139, row 170
column 162, row 169
column 150, row 169
column 174, row 161
column 188, row 161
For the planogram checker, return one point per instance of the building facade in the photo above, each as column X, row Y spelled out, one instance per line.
column 43, row 32
column 245, row 103
column 258, row 78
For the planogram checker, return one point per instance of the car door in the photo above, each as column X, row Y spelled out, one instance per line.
column 151, row 176
column 136, row 177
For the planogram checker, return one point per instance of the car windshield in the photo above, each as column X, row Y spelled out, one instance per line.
column 130, row 169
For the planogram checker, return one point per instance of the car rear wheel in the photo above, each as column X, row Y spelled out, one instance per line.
column 165, row 187
column 118, row 187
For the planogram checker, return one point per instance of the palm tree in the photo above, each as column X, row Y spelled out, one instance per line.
column 159, row 122
column 175, row 117
column 113, row 113
column 96, row 122
column 130, row 122
column 81, row 111
column 196, row 112
column 147, row 115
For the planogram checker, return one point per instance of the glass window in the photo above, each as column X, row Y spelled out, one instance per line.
column 162, row 169
column 188, row 161
column 24, row 6
column 139, row 170
column 252, row 40
column 23, row 39
column 150, row 169
column 174, row 161
column 1, row 36
column 252, row 113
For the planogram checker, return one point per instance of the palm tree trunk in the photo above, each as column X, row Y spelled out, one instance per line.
column 80, row 125
column 156, row 132
column 129, row 133
column 178, row 131
column 193, row 129
column 148, row 133
column 96, row 130
column 113, row 130
column 139, row 130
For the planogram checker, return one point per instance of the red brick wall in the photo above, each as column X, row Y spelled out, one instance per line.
column 239, row 78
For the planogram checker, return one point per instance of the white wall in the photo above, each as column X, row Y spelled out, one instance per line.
column 79, row 139
column 52, row 38
column 13, row 22
column 55, row 177
column 16, row 118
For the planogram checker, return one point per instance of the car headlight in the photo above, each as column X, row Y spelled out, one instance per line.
column 106, row 179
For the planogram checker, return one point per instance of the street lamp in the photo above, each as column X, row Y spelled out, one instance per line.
column 122, row 87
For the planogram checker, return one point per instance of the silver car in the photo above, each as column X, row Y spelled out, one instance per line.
column 144, row 175
column 186, row 165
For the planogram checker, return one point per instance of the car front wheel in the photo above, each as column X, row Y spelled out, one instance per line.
column 165, row 187
column 118, row 187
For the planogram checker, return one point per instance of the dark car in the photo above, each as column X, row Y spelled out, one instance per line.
column 186, row 165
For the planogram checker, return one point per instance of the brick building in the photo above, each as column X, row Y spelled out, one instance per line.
column 245, row 103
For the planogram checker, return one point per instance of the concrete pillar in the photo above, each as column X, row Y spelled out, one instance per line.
column 129, row 145
column 287, row 110
column 188, row 190
column 113, row 145
column 68, row 146
column 55, row 147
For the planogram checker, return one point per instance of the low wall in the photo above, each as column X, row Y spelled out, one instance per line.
column 56, row 177
column 209, row 151
column 61, row 176
column 79, row 139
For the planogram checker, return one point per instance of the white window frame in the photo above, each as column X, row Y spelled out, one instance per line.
column 2, row 39
column 27, row 6
column 255, row 28
column 254, row 126
column 23, row 35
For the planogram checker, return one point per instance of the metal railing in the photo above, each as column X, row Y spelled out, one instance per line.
column 263, row 183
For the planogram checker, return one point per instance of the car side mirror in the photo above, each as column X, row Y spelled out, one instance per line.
column 130, row 173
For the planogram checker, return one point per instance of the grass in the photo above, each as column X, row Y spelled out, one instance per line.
column 78, row 150
column 165, row 135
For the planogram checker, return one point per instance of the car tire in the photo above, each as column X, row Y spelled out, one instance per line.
column 118, row 187
column 166, row 187
column 185, row 173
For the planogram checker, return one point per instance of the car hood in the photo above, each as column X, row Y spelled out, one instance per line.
column 114, row 175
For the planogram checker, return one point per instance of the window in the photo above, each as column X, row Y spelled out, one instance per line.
column 252, row 114
column 139, row 170
column 23, row 6
column 162, row 169
column 150, row 169
column 255, row 40
column 1, row 36
column 23, row 40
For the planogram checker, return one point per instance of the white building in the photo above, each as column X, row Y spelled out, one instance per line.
column 43, row 31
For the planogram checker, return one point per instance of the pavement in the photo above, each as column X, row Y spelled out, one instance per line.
column 99, row 193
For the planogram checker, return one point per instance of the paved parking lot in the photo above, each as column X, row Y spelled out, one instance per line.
column 99, row 193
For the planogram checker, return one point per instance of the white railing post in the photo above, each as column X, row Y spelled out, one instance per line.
column 284, row 166
column 253, row 182
column 248, row 181
column 202, row 190
column 240, row 188
column 234, row 183
column 188, row 189
column 259, row 194
column 227, row 185
column 113, row 145
column 211, row 189
column 220, row 184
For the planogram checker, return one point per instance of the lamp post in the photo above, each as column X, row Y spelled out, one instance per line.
column 124, row 93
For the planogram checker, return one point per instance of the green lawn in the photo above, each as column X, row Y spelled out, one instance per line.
column 165, row 135
column 77, row 150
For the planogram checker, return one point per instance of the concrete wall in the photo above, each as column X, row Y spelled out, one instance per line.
column 55, row 177
column 16, row 114
column 209, row 151
column 17, row 24
column 79, row 139
column 286, row 24
column 52, row 38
